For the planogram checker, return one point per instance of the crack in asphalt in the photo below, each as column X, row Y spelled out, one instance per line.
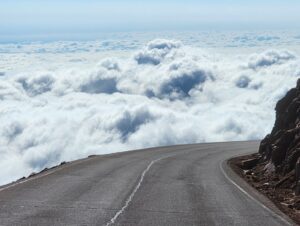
column 129, row 199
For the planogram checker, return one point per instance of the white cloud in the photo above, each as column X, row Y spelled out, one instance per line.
column 163, row 94
column 269, row 58
column 37, row 84
column 156, row 51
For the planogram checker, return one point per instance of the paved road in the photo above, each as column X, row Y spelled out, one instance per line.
column 179, row 185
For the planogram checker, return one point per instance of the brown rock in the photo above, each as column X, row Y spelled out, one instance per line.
column 249, row 163
column 282, row 146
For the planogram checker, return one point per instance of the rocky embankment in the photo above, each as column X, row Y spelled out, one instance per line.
column 280, row 150
column 275, row 170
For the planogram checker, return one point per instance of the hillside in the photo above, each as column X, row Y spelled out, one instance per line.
column 275, row 169
column 280, row 149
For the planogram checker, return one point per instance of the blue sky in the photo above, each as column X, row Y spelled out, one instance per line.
column 27, row 17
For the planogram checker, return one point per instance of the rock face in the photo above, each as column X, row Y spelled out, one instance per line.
column 280, row 150
column 275, row 170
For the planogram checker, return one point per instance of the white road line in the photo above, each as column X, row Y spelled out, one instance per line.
column 129, row 199
column 252, row 198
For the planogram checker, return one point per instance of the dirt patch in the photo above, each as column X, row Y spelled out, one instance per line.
column 279, row 189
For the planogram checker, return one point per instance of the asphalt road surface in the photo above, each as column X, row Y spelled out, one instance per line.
column 177, row 185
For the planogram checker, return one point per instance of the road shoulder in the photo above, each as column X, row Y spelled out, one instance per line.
column 235, row 175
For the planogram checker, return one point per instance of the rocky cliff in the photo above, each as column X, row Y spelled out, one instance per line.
column 280, row 150
column 275, row 170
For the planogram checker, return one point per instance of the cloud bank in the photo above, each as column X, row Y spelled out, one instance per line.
column 161, row 95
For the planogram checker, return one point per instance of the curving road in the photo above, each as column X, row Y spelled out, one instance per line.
column 176, row 185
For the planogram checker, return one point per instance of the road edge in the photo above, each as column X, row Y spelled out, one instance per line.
column 252, row 193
